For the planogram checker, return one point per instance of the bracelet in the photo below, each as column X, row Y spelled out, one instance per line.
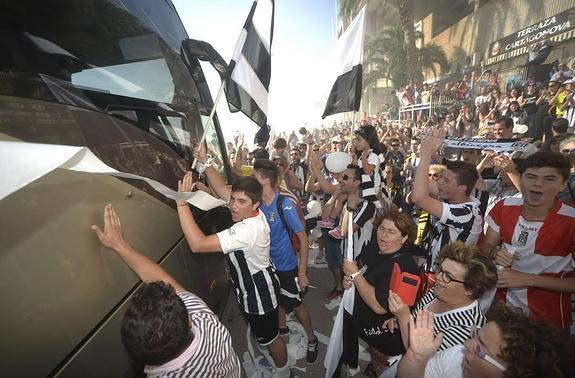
column 200, row 167
column 417, row 360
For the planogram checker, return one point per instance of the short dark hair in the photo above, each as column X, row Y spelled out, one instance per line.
column 267, row 169
column 465, row 174
column 261, row 153
column 357, row 172
column 560, row 125
column 480, row 272
column 250, row 186
column 550, row 159
column 155, row 328
column 506, row 121
column 280, row 143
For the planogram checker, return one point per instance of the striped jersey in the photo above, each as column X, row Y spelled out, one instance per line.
column 371, row 184
column 458, row 222
column 363, row 217
column 455, row 324
column 247, row 248
column 209, row 355
column 544, row 248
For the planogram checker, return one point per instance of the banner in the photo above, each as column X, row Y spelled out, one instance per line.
column 498, row 145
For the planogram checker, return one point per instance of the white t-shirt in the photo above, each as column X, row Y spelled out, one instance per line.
column 252, row 236
column 446, row 363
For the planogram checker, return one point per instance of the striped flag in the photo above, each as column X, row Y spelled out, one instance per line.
column 248, row 80
column 345, row 94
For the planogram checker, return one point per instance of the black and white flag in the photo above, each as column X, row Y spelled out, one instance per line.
column 345, row 94
column 249, row 73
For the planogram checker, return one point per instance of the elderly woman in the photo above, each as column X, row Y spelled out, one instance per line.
column 395, row 235
column 462, row 275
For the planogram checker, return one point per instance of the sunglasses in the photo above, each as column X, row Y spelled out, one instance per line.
column 395, row 145
column 345, row 177
column 434, row 175
column 314, row 150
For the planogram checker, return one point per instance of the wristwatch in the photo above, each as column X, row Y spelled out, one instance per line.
column 359, row 272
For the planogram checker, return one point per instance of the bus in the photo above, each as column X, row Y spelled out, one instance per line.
column 111, row 76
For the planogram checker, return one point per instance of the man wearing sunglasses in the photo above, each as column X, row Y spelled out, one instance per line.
column 457, row 213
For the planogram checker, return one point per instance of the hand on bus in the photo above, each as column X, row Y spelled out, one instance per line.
column 186, row 185
column 112, row 236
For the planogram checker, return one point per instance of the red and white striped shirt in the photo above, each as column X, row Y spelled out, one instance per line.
column 544, row 248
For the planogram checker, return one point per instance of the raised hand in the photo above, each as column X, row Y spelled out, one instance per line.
column 422, row 340
column 432, row 141
column 186, row 184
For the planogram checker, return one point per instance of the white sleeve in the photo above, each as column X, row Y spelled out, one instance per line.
column 373, row 159
column 446, row 363
column 237, row 237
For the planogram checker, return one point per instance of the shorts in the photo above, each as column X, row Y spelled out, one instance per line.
column 332, row 249
column 264, row 327
column 289, row 289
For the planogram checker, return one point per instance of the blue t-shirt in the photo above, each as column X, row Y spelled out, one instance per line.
column 281, row 252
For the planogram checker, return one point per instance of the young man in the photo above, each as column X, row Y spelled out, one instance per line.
column 457, row 215
column 168, row 329
column 293, row 279
column 540, row 231
column 246, row 246
column 503, row 128
column 361, row 211
column 300, row 170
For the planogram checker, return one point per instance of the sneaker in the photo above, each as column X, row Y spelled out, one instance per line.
column 320, row 260
column 326, row 223
column 284, row 331
column 335, row 233
column 312, row 350
column 334, row 294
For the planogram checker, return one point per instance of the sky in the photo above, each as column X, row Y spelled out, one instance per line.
column 304, row 35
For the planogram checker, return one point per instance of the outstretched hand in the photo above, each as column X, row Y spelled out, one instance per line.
column 186, row 184
column 112, row 236
column 422, row 340
column 432, row 141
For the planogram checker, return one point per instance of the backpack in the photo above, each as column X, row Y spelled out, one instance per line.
column 295, row 242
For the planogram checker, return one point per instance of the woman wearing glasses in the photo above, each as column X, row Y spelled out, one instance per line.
column 509, row 345
column 462, row 275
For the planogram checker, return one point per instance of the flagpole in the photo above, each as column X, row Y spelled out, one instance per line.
column 353, row 124
column 210, row 119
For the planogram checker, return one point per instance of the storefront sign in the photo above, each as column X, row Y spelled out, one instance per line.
column 555, row 28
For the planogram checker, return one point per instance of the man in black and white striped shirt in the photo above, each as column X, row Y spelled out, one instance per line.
column 169, row 330
column 457, row 215
column 246, row 246
column 361, row 210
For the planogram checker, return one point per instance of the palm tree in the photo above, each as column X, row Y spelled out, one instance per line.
column 348, row 10
column 387, row 58
column 407, row 24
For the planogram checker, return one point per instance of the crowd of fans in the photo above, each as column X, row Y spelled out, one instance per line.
column 489, row 232
column 469, row 210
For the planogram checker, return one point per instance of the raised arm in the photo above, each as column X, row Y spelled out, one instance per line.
column 422, row 345
column 420, row 195
column 112, row 237
column 197, row 240
column 215, row 179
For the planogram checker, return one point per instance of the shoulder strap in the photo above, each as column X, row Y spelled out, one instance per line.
column 281, row 210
